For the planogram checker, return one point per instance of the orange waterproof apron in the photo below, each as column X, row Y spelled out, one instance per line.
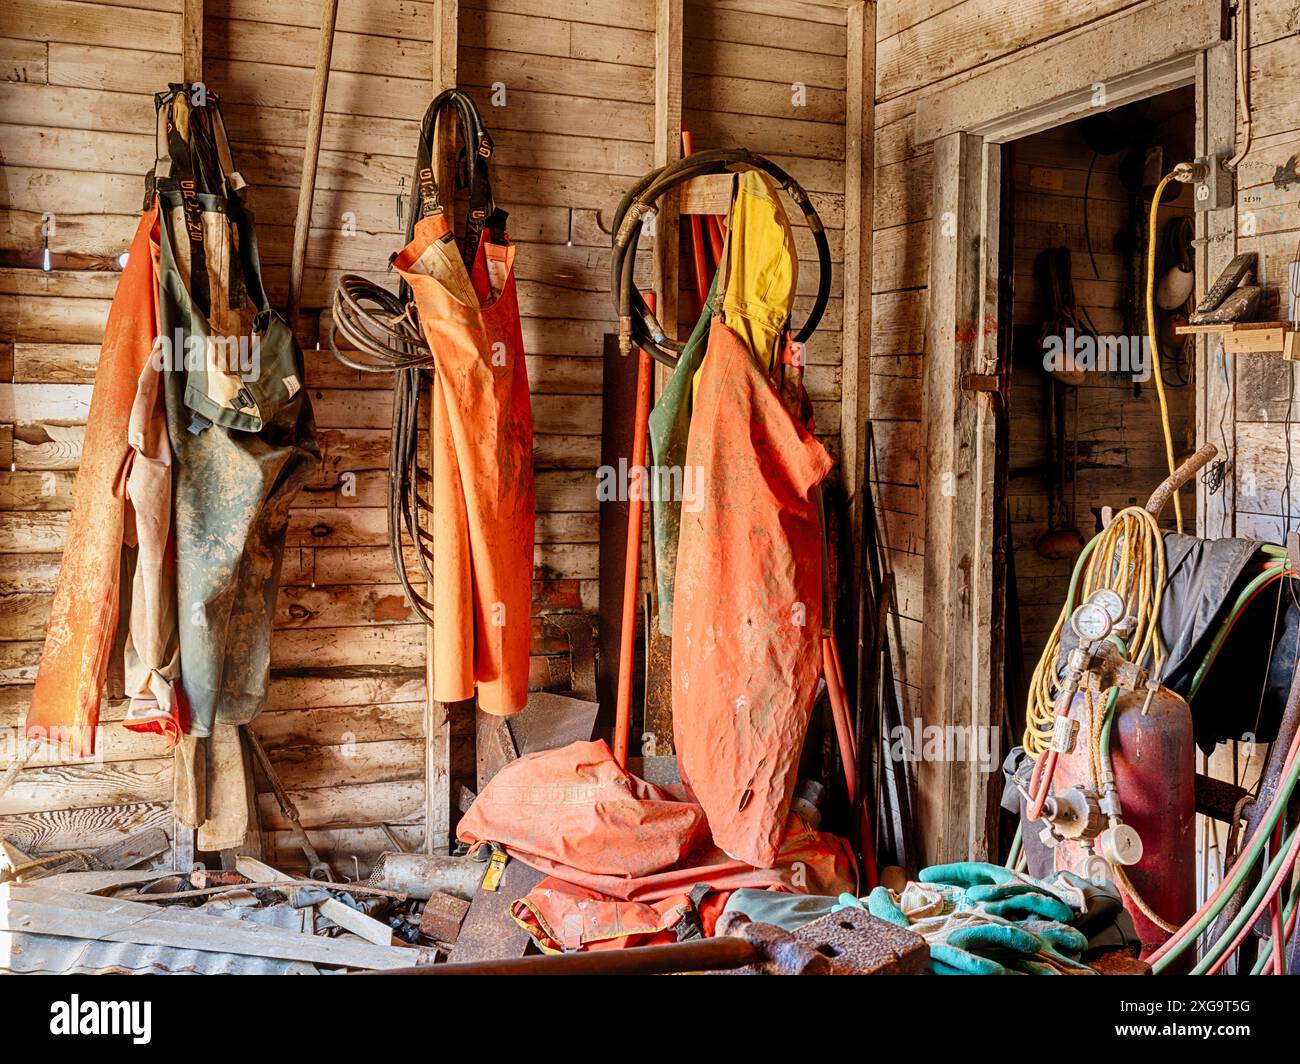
column 84, row 616
column 482, row 443
column 748, row 611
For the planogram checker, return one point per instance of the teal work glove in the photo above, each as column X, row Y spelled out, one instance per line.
column 1058, row 938
column 974, row 949
column 958, row 948
column 967, row 874
column 999, row 891
column 1019, row 901
column 881, row 904
column 994, row 922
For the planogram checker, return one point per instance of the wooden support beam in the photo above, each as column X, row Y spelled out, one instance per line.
column 1216, row 243
column 183, row 837
column 311, row 156
column 707, row 194
column 192, row 41
column 440, row 718
column 859, row 197
column 960, row 453
column 669, row 16
column 446, row 37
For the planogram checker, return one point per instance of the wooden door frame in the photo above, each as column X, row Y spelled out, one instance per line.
column 961, row 644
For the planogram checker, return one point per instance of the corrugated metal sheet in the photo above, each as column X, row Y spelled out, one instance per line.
column 24, row 954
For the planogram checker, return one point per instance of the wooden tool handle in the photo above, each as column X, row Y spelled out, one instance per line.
column 1180, row 476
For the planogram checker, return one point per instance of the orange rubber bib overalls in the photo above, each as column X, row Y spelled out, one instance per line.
column 747, row 613
column 482, row 444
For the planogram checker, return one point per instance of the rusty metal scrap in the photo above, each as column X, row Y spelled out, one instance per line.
column 442, row 917
column 858, row 943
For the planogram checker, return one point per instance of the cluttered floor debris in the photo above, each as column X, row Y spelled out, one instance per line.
column 649, row 488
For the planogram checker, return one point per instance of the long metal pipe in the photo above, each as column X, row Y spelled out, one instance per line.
column 637, row 488
column 699, row 955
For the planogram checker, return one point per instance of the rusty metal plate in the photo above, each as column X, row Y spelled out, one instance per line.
column 858, row 943
column 489, row 931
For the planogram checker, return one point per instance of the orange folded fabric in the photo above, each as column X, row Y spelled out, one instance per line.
column 577, row 816
column 84, row 615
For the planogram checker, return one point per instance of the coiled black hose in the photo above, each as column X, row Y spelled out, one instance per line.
column 637, row 324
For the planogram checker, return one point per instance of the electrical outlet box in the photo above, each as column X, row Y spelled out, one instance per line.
column 1217, row 190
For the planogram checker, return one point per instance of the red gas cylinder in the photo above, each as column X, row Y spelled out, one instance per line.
column 1154, row 759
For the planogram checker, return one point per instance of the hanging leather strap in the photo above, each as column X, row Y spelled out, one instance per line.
column 472, row 173
column 185, row 174
column 193, row 157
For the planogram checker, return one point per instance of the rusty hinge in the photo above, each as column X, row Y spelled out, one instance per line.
column 981, row 382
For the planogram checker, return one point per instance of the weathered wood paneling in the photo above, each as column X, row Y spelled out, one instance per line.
column 567, row 89
column 1120, row 446
column 74, row 160
column 1262, row 432
column 927, row 47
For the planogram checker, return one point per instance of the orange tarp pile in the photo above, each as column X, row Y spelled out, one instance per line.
column 623, row 854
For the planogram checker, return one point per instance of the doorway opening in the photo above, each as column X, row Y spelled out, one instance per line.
column 1083, row 429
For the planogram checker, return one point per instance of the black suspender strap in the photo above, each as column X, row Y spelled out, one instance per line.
column 185, row 174
column 472, row 173
column 194, row 159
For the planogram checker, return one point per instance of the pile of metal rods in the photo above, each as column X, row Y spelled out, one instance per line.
column 887, row 779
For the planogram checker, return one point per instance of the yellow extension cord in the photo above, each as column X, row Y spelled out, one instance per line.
column 1129, row 558
column 1141, row 598
column 1155, row 341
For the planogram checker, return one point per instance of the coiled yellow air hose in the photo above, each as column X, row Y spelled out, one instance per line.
column 1128, row 557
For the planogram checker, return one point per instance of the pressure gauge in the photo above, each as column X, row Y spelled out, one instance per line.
column 1094, row 868
column 1091, row 622
column 1110, row 601
column 1120, row 845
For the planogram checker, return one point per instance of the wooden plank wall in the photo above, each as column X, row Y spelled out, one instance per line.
column 76, row 117
column 1263, row 432
column 775, row 83
column 567, row 90
column 927, row 47
column 344, row 722
column 1120, row 444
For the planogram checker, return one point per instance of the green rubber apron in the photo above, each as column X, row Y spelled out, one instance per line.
column 243, row 442
column 668, row 429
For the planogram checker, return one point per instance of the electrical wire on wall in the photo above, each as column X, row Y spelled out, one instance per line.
column 1154, row 339
column 1242, row 34
column 1087, row 234
column 1176, row 270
